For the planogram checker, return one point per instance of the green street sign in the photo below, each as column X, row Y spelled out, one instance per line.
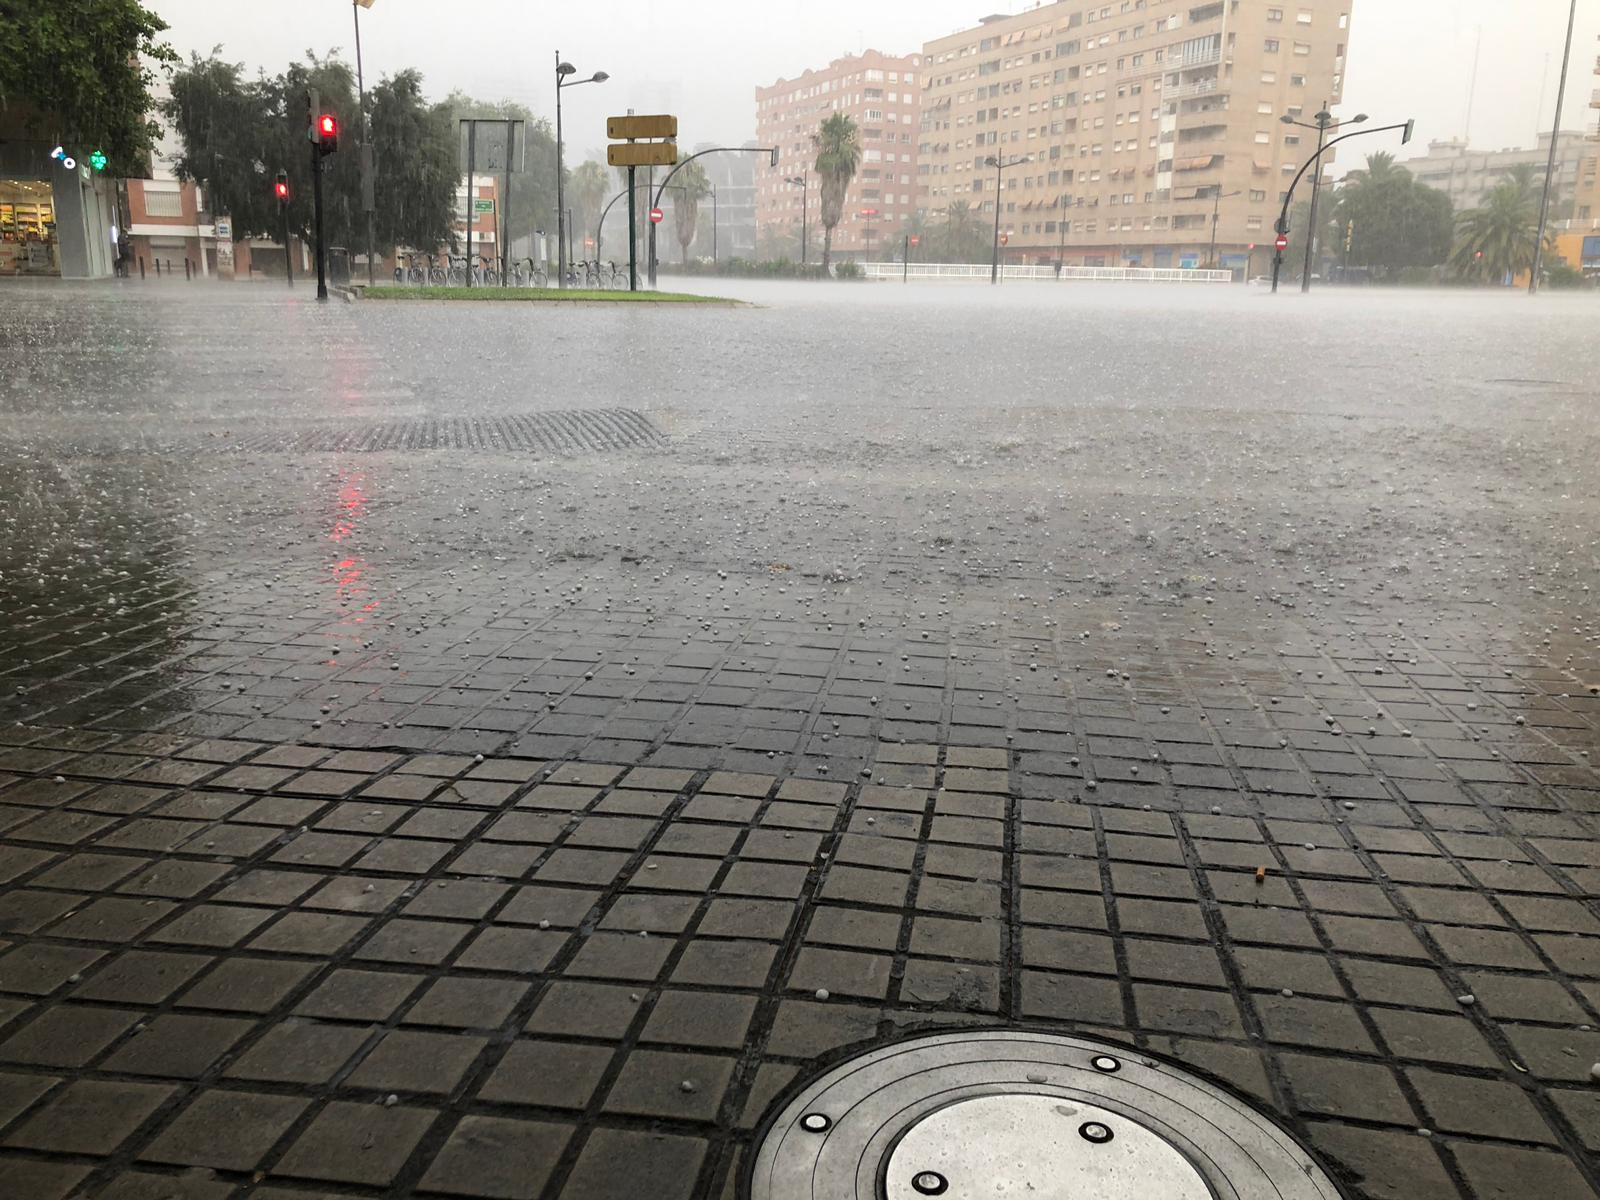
column 483, row 206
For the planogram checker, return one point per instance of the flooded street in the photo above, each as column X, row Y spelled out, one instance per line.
column 520, row 740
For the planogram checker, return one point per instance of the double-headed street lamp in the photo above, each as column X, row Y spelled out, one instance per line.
column 564, row 71
column 803, row 182
column 1324, row 123
column 1217, row 198
column 1000, row 164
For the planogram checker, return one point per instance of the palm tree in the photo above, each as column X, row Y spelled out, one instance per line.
column 1495, row 240
column 690, row 187
column 1525, row 176
column 838, row 144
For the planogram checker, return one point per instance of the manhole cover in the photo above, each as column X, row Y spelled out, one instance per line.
column 1012, row 1113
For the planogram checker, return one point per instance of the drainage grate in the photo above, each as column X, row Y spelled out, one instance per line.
column 544, row 433
column 1010, row 1113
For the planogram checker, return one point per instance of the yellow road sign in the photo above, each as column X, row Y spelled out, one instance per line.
column 622, row 128
column 642, row 154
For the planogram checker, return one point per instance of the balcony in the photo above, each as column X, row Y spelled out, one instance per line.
column 1201, row 87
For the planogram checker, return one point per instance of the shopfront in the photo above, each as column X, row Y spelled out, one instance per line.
column 57, row 214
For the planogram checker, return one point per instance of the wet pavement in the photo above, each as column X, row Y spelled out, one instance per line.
column 495, row 752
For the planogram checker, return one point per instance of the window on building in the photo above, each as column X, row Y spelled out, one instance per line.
column 1273, row 45
column 1297, row 81
column 1252, row 222
column 1263, row 139
column 1275, row 15
column 1269, row 77
column 1257, row 197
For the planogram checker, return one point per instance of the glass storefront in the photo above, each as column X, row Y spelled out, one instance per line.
column 28, row 241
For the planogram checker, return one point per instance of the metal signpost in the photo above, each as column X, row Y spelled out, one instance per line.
column 646, row 141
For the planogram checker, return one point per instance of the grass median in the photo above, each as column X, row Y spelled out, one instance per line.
column 557, row 295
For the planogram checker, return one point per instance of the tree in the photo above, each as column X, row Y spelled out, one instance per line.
column 586, row 192
column 230, row 141
column 80, row 65
column 838, row 143
column 690, row 186
column 235, row 135
column 1391, row 221
column 414, row 153
column 1495, row 241
column 532, row 196
column 953, row 235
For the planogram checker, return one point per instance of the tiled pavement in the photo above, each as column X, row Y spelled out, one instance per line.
column 368, row 833
column 232, row 963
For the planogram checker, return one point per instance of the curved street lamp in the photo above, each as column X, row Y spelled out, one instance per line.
column 1316, row 161
column 564, row 73
column 1324, row 122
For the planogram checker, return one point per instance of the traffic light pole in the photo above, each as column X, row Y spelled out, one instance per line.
column 316, row 200
column 288, row 254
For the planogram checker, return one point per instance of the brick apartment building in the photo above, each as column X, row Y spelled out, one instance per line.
column 880, row 93
column 1135, row 117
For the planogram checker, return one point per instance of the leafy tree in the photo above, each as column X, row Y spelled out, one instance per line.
column 81, row 65
column 414, row 166
column 954, row 235
column 838, row 143
column 230, row 141
column 690, row 186
column 586, row 193
column 532, row 198
column 1398, row 222
column 1495, row 241
column 235, row 135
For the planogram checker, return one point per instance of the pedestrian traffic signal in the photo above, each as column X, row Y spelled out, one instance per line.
column 98, row 160
column 327, row 134
column 280, row 189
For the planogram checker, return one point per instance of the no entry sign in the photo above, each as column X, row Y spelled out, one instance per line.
column 656, row 216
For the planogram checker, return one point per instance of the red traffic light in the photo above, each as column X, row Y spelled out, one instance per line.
column 281, row 189
column 328, row 126
column 1283, row 241
column 657, row 216
column 916, row 240
column 327, row 133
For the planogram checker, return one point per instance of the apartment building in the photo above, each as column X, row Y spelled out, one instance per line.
column 1467, row 176
column 1125, row 126
column 880, row 92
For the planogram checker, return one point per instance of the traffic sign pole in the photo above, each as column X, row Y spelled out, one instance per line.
column 633, row 232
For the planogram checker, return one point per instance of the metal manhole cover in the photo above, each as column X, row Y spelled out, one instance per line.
column 1009, row 1113
column 574, row 432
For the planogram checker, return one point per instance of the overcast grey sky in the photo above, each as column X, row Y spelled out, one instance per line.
column 702, row 60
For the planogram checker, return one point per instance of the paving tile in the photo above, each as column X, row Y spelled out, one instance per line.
column 497, row 1157
column 89, row 1116
column 356, row 1143
column 225, row 1129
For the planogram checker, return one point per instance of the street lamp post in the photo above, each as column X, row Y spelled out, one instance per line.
column 1216, row 212
column 563, row 71
column 1325, row 122
column 713, row 224
column 803, row 182
column 1550, row 166
column 364, row 146
column 660, row 189
column 1316, row 162
column 1061, row 227
column 999, row 164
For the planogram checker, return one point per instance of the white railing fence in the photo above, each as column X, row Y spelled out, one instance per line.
column 1045, row 274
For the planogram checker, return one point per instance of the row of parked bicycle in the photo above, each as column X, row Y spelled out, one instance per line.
column 438, row 270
